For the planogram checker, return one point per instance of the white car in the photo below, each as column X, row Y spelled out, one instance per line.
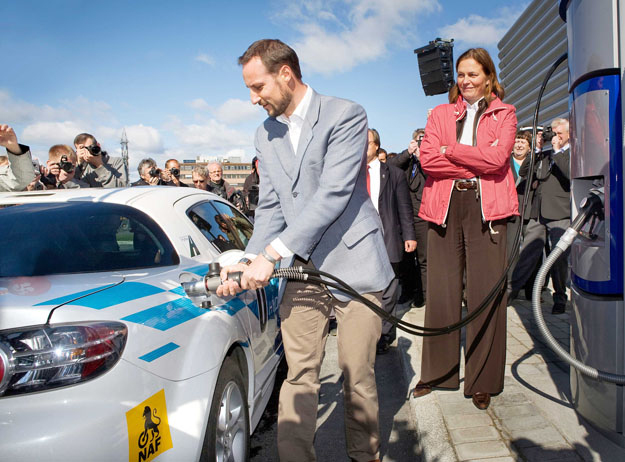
column 103, row 356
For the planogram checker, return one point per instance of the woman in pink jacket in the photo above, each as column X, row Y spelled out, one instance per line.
column 468, row 196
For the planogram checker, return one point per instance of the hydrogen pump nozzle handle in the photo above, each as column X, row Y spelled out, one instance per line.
column 209, row 283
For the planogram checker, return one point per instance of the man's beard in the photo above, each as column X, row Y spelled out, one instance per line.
column 277, row 109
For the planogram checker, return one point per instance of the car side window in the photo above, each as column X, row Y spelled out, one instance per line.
column 240, row 227
column 225, row 227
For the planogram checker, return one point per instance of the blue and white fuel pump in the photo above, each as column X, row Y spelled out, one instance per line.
column 596, row 60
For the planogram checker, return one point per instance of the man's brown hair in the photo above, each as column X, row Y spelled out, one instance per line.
column 274, row 54
column 80, row 139
column 59, row 150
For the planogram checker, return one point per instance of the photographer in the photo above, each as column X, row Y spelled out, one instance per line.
column 550, row 213
column 18, row 173
column 61, row 164
column 150, row 174
column 95, row 167
column 171, row 174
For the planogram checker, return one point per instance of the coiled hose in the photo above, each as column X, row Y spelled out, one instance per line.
column 592, row 204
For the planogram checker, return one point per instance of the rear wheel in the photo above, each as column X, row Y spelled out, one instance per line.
column 228, row 432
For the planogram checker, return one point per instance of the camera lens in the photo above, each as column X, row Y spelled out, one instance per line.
column 94, row 149
column 175, row 172
column 64, row 164
column 155, row 172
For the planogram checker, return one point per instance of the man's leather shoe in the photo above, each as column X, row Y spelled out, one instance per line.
column 481, row 400
column 417, row 302
column 421, row 389
column 558, row 308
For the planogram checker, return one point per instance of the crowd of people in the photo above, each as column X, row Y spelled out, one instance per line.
column 434, row 225
column 86, row 165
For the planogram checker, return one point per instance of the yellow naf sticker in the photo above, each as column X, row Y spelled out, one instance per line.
column 148, row 429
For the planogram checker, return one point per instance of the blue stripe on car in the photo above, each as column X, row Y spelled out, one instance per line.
column 200, row 270
column 173, row 313
column 160, row 351
column 115, row 295
column 178, row 291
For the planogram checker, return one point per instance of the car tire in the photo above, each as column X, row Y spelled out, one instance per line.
column 227, row 436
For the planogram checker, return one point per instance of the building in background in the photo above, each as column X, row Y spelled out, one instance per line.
column 526, row 53
column 235, row 171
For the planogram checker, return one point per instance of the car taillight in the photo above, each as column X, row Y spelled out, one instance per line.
column 39, row 358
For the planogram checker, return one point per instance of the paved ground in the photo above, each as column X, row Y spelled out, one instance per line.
column 532, row 420
column 398, row 433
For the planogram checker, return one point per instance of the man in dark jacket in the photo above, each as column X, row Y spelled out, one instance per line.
column 409, row 162
column 389, row 193
column 550, row 215
column 217, row 184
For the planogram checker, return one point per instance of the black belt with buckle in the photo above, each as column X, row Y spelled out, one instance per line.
column 465, row 185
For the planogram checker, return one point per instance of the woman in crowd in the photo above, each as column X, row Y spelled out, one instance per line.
column 468, row 197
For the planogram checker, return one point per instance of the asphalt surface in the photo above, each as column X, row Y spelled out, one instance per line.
column 397, row 428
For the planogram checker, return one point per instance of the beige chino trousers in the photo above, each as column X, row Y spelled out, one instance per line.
column 304, row 314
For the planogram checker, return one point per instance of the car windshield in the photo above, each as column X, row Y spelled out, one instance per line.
column 79, row 237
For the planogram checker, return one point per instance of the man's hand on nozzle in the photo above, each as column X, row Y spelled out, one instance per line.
column 8, row 140
column 228, row 286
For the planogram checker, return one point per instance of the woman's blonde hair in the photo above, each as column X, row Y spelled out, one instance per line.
column 481, row 56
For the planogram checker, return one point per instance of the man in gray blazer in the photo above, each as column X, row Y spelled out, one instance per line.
column 20, row 171
column 314, row 208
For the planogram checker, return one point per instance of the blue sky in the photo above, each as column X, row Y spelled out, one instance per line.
column 167, row 71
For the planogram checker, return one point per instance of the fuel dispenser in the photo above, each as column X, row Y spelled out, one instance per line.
column 596, row 53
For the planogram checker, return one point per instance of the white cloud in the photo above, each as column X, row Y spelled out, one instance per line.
column 476, row 30
column 50, row 133
column 337, row 36
column 199, row 104
column 235, row 111
column 211, row 137
column 206, row 59
column 144, row 138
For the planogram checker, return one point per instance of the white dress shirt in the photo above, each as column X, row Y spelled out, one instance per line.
column 467, row 129
column 295, row 123
column 374, row 182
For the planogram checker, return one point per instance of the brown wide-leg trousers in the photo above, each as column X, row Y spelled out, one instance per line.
column 304, row 315
column 466, row 243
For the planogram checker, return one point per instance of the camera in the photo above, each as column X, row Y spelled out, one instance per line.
column 155, row 172
column 66, row 165
column 94, row 149
column 548, row 134
column 175, row 172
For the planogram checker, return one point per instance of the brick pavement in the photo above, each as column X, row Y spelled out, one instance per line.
column 532, row 420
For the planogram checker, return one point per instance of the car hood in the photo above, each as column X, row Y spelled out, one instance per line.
column 28, row 301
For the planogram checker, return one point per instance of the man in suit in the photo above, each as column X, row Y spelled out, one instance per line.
column 389, row 193
column 314, row 208
column 408, row 161
column 550, row 215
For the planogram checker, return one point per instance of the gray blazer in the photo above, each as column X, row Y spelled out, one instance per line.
column 316, row 202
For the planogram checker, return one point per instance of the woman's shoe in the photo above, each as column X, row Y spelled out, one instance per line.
column 481, row 400
column 421, row 389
